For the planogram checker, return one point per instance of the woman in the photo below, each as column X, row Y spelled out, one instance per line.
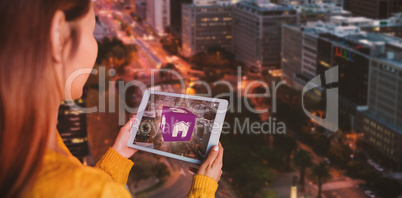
column 41, row 43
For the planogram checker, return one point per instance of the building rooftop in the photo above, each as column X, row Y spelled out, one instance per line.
column 261, row 7
column 378, row 44
column 350, row 19
column 214, row 2
column 319, row 8
column 395, row 20
column 320, row 27
column 220, row 5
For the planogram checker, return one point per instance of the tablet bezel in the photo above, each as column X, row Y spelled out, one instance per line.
column 215, row 133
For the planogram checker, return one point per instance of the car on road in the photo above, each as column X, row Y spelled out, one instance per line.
column 142, row 74
column 369, row 193
column 375, row 165
column 378, row 167
column 254, row 69
column 327, row 161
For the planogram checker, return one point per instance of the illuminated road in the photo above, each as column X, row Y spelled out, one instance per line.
column 157, row 56
column 150, row 54
column 180, row 181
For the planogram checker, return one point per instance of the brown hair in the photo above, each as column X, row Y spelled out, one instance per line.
column 28, row 84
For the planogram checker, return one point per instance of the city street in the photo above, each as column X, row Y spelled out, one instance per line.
column 152, row 56
column 252, row 98
column 180, row 181
column 340, row 185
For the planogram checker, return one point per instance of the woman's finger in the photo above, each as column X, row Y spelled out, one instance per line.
column 219, row 158
column 130, row 123
column 212, row 154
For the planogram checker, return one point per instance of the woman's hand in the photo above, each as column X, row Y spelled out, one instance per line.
column 120, row 144
column 212, row 166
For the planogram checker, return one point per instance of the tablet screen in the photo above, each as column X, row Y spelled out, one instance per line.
column 177, row 125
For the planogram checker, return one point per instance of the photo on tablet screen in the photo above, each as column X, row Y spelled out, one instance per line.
column 176, row 125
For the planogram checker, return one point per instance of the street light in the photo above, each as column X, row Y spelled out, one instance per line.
column 293, row 188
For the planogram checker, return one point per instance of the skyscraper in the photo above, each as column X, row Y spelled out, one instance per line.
column 129, row 3
column 72, row 126
column 206, row 26
column 141, row 9
column 175, row 13
column 381, row 124
column 370, row 76
column 158, row 14
column 375, row 9
column 257, row 33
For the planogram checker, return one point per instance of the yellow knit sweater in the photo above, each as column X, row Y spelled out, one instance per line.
column 65, row 176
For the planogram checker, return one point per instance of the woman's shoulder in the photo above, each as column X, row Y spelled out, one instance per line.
column 65, row 176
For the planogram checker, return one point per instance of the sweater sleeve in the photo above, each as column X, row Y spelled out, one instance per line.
column 202, row 186
column 117, row 166
column 114, row 190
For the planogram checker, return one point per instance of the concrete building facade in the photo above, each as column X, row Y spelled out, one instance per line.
column 204, row 27
column 141, row 9
column 375, row 9
column 175, row 14
column 381, row 124
column 257, row 33
column 158, row 15
column 299, row 55
column 370, row 79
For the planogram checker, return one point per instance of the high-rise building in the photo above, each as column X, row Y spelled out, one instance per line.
column 158, row 15
column 299, row 55
column 129, row 3
column 72, row 126
column 257, row 33
column 141, row 9
column 347, row 5
column 369, row 78
column 385, row 97
column 381, row 124
column 375, row 9
column 100, row 31
column 351, row 53
column 207, row 26
column 175, row 13
column 381, row 139
column 292, row 55
column 352, row 59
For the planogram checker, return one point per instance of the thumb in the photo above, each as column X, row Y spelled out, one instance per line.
column 129, row 124
column 212, row 154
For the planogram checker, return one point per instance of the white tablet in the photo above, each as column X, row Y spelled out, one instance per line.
column 179, row 126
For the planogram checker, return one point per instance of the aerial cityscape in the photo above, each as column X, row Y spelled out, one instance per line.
column 324, row 76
